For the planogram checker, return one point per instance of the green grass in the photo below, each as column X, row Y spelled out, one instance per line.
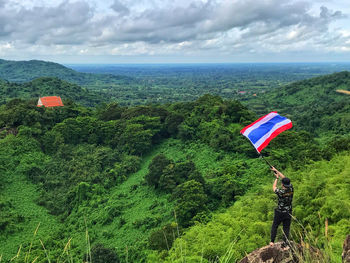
column 204, row 157
column 22, row 195
column 143, row 205
column 141, row 209
column 247, row 222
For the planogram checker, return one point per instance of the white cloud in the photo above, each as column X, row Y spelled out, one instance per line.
column 174, row 28
column 5, row 48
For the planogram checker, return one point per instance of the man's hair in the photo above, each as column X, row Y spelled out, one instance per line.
column 286, row 182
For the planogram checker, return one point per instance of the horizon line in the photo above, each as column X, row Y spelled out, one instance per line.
column 196, row 63
column 179, row 63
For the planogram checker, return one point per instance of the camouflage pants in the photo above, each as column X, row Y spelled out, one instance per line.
column 281, row 217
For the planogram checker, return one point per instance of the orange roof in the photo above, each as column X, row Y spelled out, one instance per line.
column 343, row 91
column 52, row 101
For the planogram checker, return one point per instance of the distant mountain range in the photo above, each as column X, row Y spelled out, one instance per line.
column 35, row 78
column 24, row 71
column 312, row 104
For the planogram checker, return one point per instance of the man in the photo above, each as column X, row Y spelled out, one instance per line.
column 283, row 211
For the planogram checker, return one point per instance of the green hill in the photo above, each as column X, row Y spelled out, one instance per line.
column 321, row 193
column 313, row 104
column 89, row 169
column 172, row 183
column 49, row 86
column 24, row 71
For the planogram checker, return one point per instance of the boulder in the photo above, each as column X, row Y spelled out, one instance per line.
column 346, row 250
column 293, row 254
column 277, row 254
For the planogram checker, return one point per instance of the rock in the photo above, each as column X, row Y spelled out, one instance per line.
column 276, row 254
column 294, row 254
column 346, row 250
column 269, row 254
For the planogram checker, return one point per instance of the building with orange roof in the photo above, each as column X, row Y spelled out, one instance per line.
column 52, row 101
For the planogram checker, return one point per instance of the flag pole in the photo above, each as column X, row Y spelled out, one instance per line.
column 264, row 130
column 265, row 160
column 260, row 155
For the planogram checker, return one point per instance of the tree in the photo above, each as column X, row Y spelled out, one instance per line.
column 163, row 238
column 190, row 200
column 178, row 173
column 101, row 254
column 135, row 139
column 226, row 187
column 156, row 169
column 111, row 111
column 172, row 123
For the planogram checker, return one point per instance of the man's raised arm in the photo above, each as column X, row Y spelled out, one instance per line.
column 277, row 172
column 274, row 186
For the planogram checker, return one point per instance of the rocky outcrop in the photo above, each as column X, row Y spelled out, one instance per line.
column 346, row 250
column 277, row 254
column 293, row 254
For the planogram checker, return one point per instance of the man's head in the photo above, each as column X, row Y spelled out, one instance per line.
column 286, row 182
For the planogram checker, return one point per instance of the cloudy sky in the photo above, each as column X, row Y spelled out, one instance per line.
column 146, row 31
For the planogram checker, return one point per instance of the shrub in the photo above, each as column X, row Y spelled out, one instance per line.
column 101, row 254
column 163, row 238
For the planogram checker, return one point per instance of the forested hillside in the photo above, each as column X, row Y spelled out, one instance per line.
column 161, row 83
column 49, row 86
column 162, row 183
column 313, row 104
column 322, row 195
column 24, row 71
column 167, row 83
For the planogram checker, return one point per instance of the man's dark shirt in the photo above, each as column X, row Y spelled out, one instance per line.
column 285, row 198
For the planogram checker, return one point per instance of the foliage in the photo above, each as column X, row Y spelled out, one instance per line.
column 101, row 254
column 295, row 149
column 111, row 111
column 212, row 120
column 156, row 169
column 144, row 84
column 18, row 112
column 190, row 200
column 9, row 219
column 24, row 71
column 321, row 191
column 120, row 172
column 49, row 86
column 313, row 105
column 167, row 83
column 163, row 238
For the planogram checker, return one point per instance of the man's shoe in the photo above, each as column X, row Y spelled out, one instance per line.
column 285, row 246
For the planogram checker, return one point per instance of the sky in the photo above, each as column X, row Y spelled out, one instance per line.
column 175, row 31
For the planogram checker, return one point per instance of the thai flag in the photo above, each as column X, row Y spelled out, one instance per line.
column 263, row 130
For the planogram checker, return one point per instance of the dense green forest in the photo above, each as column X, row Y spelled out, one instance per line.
column 313, row 104
column 322, row 194
column 168, row 182
column 25, row 71
column 163, row 83
column 166, row 83
column 49, row 86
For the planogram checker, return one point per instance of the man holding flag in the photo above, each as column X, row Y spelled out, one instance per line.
column 260, row 133
column 283, row 211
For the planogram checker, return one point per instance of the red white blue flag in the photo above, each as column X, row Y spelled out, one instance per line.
column 263, row 130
